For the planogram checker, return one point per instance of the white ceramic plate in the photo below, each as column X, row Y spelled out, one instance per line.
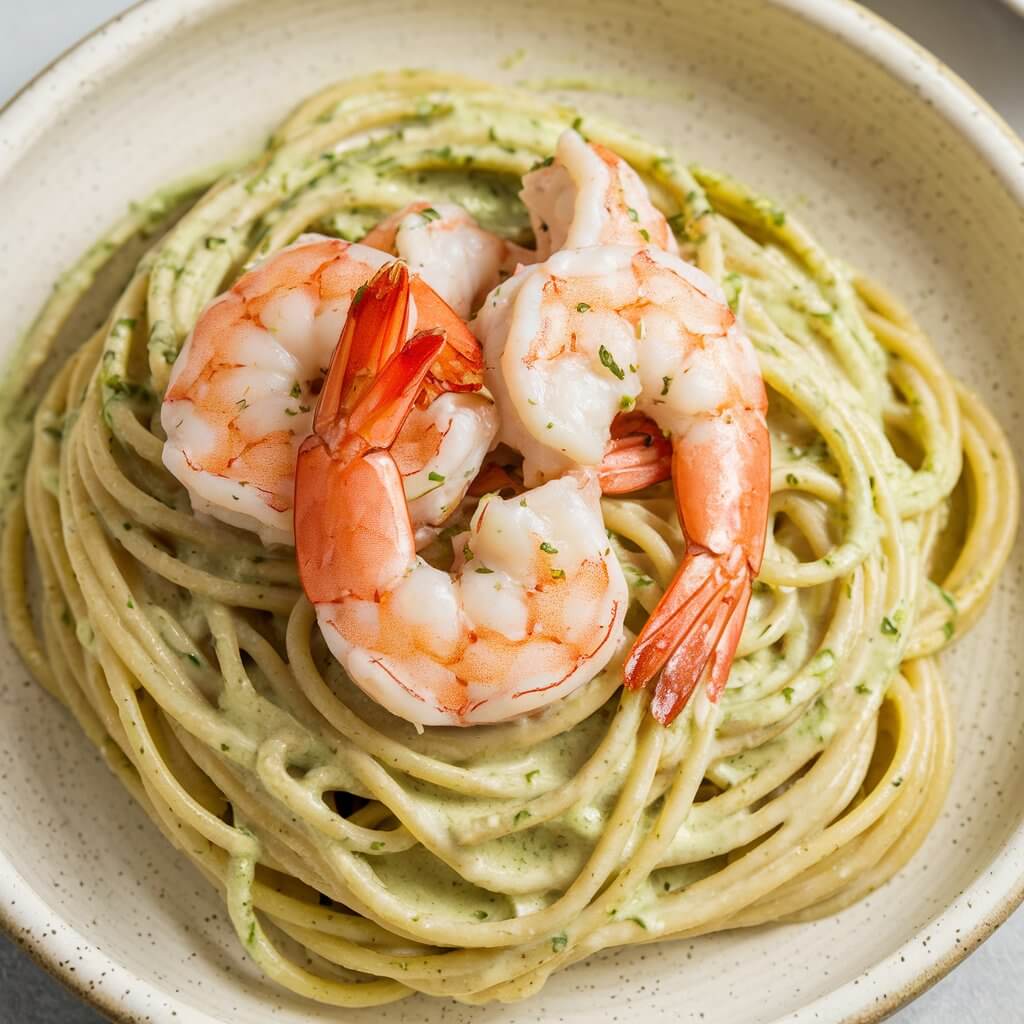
column 889, row 157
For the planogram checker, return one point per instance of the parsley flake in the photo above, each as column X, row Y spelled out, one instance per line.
column 608, row 362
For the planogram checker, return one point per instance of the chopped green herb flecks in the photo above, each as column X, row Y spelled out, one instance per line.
column 608, row 362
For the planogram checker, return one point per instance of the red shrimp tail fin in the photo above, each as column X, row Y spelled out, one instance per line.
column 349, row 499
column 351, row 523
column 374, row 331
column 382, row 408
column 460, row 364
column 693, row 632
column 637, row 456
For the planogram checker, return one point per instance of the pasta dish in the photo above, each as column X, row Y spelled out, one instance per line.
column 479, row 538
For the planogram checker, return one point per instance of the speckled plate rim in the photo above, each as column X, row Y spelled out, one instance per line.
column 956, row 931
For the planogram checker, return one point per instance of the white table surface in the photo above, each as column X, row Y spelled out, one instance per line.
column 980, row 39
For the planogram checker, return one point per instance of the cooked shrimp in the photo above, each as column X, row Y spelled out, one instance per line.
column 534, row 604
column 588, row 196
column 569, row 344
column 446, row 247
column 243, row 387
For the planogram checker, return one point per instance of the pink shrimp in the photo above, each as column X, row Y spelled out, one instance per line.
column 243, row 387
column 446, row 247
column 569, row 344
column 534, row 604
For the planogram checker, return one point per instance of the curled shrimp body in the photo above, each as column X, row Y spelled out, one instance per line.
column 446, row 247
column 585, row 196
column 243, row 387
column 572, row 342
column 534, row 603
column 589, row 195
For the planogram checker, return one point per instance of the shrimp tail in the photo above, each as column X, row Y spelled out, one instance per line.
column 345, row 462
column 637, row 455
column 693, row 632
column 460, row 364
column 376, row 325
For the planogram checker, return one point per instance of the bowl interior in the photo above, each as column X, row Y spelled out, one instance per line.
column 872, row 167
